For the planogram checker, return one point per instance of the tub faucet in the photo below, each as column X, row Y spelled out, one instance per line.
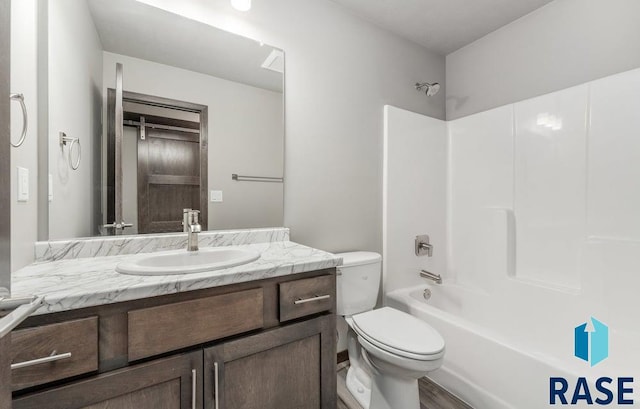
column 191, row 227
column 436, row 278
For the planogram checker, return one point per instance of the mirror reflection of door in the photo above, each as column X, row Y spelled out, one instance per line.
column 164, row 162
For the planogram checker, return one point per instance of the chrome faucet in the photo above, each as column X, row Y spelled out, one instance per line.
column 436, row 278
column 192, row 227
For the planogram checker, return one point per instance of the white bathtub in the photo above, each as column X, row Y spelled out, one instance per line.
column 485, row 366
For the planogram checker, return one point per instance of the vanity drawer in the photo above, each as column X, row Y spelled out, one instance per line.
column 71, row 347
column 165, row 328
column 307, row 296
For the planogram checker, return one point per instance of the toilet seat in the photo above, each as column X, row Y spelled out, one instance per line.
column 399, row 333
column 412, row 368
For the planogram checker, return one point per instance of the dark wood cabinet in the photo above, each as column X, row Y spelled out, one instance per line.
column 5, row 374
column 161, row 384
column 267, row 344
column 168, row 327
column 291, row 367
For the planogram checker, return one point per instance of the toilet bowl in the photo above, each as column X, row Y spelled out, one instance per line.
column 389, row 350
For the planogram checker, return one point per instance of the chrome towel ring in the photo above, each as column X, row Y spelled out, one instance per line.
column 25, row 120
column 64, row 139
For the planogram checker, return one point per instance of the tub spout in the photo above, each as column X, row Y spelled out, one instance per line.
column 436, row 278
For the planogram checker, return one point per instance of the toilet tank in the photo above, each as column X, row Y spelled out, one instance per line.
column 358, row 282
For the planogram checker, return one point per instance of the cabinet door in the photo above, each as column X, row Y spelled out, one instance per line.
column 291, row 367
column 5, row 373
column 161, row 384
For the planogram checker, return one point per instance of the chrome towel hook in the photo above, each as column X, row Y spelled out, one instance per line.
column 64, row 139
column 25, row 120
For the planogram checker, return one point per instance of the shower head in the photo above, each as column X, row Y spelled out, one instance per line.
column 430, row 89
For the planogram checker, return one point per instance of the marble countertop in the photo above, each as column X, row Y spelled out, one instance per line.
column 69, row 284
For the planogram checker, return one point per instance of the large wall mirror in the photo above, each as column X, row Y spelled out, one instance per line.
column 150, row 113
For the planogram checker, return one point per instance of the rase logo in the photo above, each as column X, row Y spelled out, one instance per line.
column 596, row 337
column 591, row 344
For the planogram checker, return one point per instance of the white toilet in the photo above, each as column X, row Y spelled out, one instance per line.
column 389, row 350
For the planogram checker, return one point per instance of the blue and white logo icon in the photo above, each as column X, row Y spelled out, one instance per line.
column 592, row 342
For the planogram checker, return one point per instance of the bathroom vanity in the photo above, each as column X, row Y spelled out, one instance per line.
column 258, row 335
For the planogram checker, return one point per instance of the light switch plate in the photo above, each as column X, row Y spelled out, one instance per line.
column 23, row 184
column 216, row 196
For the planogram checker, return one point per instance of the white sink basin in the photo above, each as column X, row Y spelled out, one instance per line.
column 184, row 262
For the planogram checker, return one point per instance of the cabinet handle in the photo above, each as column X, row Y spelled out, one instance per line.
column 216, row 380
column 194, row 385
column 44, row 360
column 316, row 298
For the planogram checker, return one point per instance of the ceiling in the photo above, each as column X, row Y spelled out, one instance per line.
column 442, row 26
column 131, row 28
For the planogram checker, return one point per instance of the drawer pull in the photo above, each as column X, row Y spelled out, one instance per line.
column 316, row 298
column 194, row 387
column 44, row 360
column 216, row 385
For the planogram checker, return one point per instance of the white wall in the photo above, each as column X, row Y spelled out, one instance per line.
column 24, row 80
column 565, row 43
column 245, row 136
column 75, row 107
column 340, row 72
column 415, row 196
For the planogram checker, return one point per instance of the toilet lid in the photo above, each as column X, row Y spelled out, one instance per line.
column 398, row 332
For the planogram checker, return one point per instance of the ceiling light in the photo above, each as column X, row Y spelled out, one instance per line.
column 241, row 5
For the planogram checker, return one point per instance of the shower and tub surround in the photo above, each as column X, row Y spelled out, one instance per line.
column 500, row 389
column 542, row 232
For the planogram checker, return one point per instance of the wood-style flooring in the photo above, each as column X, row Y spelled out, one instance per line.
column 432, row 396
